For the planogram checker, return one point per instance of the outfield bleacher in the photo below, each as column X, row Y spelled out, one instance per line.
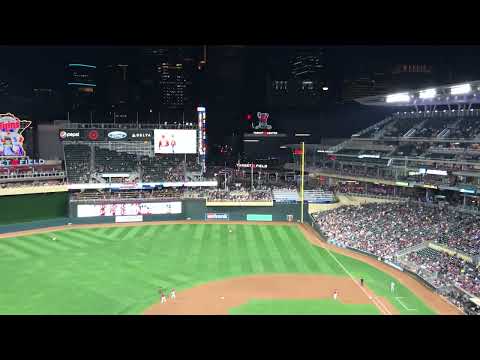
column 285, row 195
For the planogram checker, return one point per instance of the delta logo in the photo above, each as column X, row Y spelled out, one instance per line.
column 141, row 135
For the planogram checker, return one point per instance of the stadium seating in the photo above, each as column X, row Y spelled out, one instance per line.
column 77, row 163
column 318, row 196
column 285, row 195
column 110, row 161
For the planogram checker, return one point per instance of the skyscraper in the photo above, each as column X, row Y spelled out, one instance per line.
column 297, row 77
column 117, row 90
column 81, row 91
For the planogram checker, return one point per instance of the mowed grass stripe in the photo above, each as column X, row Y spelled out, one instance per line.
column 112, row 232
column 47, row 242
column 285, row 250
column 202, row 240
column 273, row 260
column 28, row 249
column 192, row 252
column 12, row 252
column 211, row 252
column 257, row 264
column 126, row 231
column 296, row 256
column 262, row 250
column 151, row 231
column 223, row 256
column 84, row 239
column 303, row 248
column 236, row 263
column 276, row 255
column 243, row 254
column 93, row 236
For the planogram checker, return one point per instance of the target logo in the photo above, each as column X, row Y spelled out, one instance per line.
column 93, row 135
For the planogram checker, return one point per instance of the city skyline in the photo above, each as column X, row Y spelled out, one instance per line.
column 314, row 85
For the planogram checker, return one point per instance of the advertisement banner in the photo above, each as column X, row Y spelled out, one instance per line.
column 175, row 141
column 259, row 217
column 128, row 218
column 162, row 208
column 140, row 135
column 81, row 134
column 115, row 135
column 214, row 216
column 105, row 135
column 70, row 134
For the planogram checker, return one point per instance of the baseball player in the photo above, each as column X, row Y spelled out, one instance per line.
column 392, row 286
column 172, row 294
column 361, row 281
column 335, row 294
column 164, row 299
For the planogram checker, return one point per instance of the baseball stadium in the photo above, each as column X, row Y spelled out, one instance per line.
column 130, row 219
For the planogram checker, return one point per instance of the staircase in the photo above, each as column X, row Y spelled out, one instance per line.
column 418, row 247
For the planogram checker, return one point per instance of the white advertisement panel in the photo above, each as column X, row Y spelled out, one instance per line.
column 175, row 141
column 91, row 210
column 128, row 218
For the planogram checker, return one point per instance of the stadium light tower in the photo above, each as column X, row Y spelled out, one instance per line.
column 461, row 89
column 403, row 97
column 428, row 94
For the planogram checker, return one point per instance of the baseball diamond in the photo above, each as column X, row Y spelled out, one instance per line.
column 257, row 268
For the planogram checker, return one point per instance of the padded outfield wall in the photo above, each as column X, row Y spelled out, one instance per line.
column 196, row 209
column 33, row 207
column 33, row 211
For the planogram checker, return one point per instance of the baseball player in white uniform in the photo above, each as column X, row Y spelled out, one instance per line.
column 335, row 294
column 392, row 286
column 172, row 294
column 164, row 299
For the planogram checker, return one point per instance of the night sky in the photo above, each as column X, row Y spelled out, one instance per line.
column 235, row 76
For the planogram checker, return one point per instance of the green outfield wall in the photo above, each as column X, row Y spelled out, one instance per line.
column 33, row 207
column 27, row 212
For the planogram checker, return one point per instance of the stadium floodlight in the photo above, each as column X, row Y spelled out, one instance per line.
column 404, row 97
column 325, row 88
column 428, row 94
column 460, row 89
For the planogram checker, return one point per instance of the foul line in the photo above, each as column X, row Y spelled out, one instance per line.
column 401, row 303
column 375, row 301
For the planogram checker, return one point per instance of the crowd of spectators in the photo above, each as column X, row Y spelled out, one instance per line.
column 448, row 270
column 130, row 194
column 384, row 229
column 238, row 195
column 32, row 183
column 463, row 302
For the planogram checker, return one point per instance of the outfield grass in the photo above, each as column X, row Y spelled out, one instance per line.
column 303, row 307
column 118, row 270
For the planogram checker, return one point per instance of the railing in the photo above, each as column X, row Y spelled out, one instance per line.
column 376, row 196
column 417, row 247
column 130, row 126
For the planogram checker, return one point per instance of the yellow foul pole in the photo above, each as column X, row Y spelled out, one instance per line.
column 301, row 186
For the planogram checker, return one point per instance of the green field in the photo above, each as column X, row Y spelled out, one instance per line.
column 303, row 307
column 118, row 270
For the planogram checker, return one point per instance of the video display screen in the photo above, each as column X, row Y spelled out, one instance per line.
column 175, row 141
